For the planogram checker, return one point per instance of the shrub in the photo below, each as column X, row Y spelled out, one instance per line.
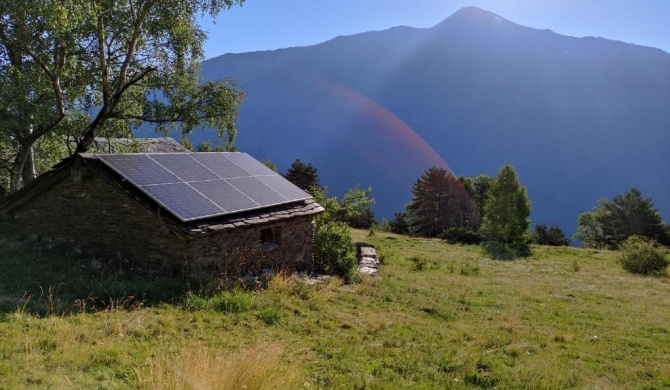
column 335, row 252
column 502, row 251
column 420, row 262
column 643, row 256
column 232, row 302
column 462, row 235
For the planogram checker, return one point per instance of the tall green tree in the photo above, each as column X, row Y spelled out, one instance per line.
column 356, row 208
column 303, row 175
column 97, row 67
column 506, row 209
column 611, row 223
column 478, row 188
column 440, row 201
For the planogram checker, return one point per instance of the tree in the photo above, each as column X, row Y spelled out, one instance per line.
column 611, row 223
column 439, row 201
column 478, row 188
column 91, row 68
column 356, row 208
column 399, row 224
column 506, row 209
column 303, row 175
column 553, row 237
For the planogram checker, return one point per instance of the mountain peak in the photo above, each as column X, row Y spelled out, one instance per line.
column 473, row 16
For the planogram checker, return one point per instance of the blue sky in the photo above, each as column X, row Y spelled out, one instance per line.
column 273, row 24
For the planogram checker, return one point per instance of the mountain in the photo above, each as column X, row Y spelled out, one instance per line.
column 579, row 118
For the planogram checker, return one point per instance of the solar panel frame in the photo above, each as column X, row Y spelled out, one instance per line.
column 195, row 186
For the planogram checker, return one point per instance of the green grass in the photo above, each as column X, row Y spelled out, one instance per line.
column 560, row 318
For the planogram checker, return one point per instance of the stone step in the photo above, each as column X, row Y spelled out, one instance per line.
column 368, row 262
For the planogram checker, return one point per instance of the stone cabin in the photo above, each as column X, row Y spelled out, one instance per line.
column 196, row 214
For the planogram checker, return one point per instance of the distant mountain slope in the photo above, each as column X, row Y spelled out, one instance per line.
column 580, row 118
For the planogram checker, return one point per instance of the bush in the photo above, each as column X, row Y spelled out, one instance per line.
column 462, row 235
column 502, row 251
column 335, row 252
column 232, row 302
column 420, row 262
column 643, row 256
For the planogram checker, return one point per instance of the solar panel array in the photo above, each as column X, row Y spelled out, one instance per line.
column 202, row 185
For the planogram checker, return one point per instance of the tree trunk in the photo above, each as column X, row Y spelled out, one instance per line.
column 16, row 178
column 29, row 173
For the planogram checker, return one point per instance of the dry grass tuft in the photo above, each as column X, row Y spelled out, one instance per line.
column 196, row 367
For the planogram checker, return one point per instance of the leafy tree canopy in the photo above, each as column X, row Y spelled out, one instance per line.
column 506, row 209
column 87, row 68
column 478, row 188
column 611, row 223
column 356, row 208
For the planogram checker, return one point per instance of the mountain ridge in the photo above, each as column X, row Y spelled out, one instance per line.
column 479, row 94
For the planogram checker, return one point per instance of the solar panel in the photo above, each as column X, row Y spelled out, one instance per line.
column 220, row 165
column 257, row 191
column 184, row 166
column 229, row 198
column 250, row 164
column 183, row 200
column 138, row 168
column 201, row 185
column 284, row 187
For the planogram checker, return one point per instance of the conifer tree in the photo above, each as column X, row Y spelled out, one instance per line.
column 506, row 209
column 303, row 175
column 440, row 201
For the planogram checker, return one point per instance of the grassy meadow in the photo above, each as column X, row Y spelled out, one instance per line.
column 437, row 316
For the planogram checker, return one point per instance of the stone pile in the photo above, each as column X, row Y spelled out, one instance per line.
column 368, row 262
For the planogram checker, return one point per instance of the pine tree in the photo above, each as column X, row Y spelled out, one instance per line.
column 506, row 209
column 440, row 201
column 303, row 175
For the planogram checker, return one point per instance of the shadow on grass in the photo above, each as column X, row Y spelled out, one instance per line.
column 503, row 251
column 51, row 283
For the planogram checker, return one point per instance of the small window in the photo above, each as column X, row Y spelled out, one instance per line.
column 270, row 238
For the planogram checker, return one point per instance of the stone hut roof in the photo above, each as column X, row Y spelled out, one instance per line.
column 79, row 166
column 135, row 145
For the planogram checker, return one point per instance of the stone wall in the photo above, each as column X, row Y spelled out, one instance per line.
column 239, row 251
column 104, row 220
column 101, row 218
